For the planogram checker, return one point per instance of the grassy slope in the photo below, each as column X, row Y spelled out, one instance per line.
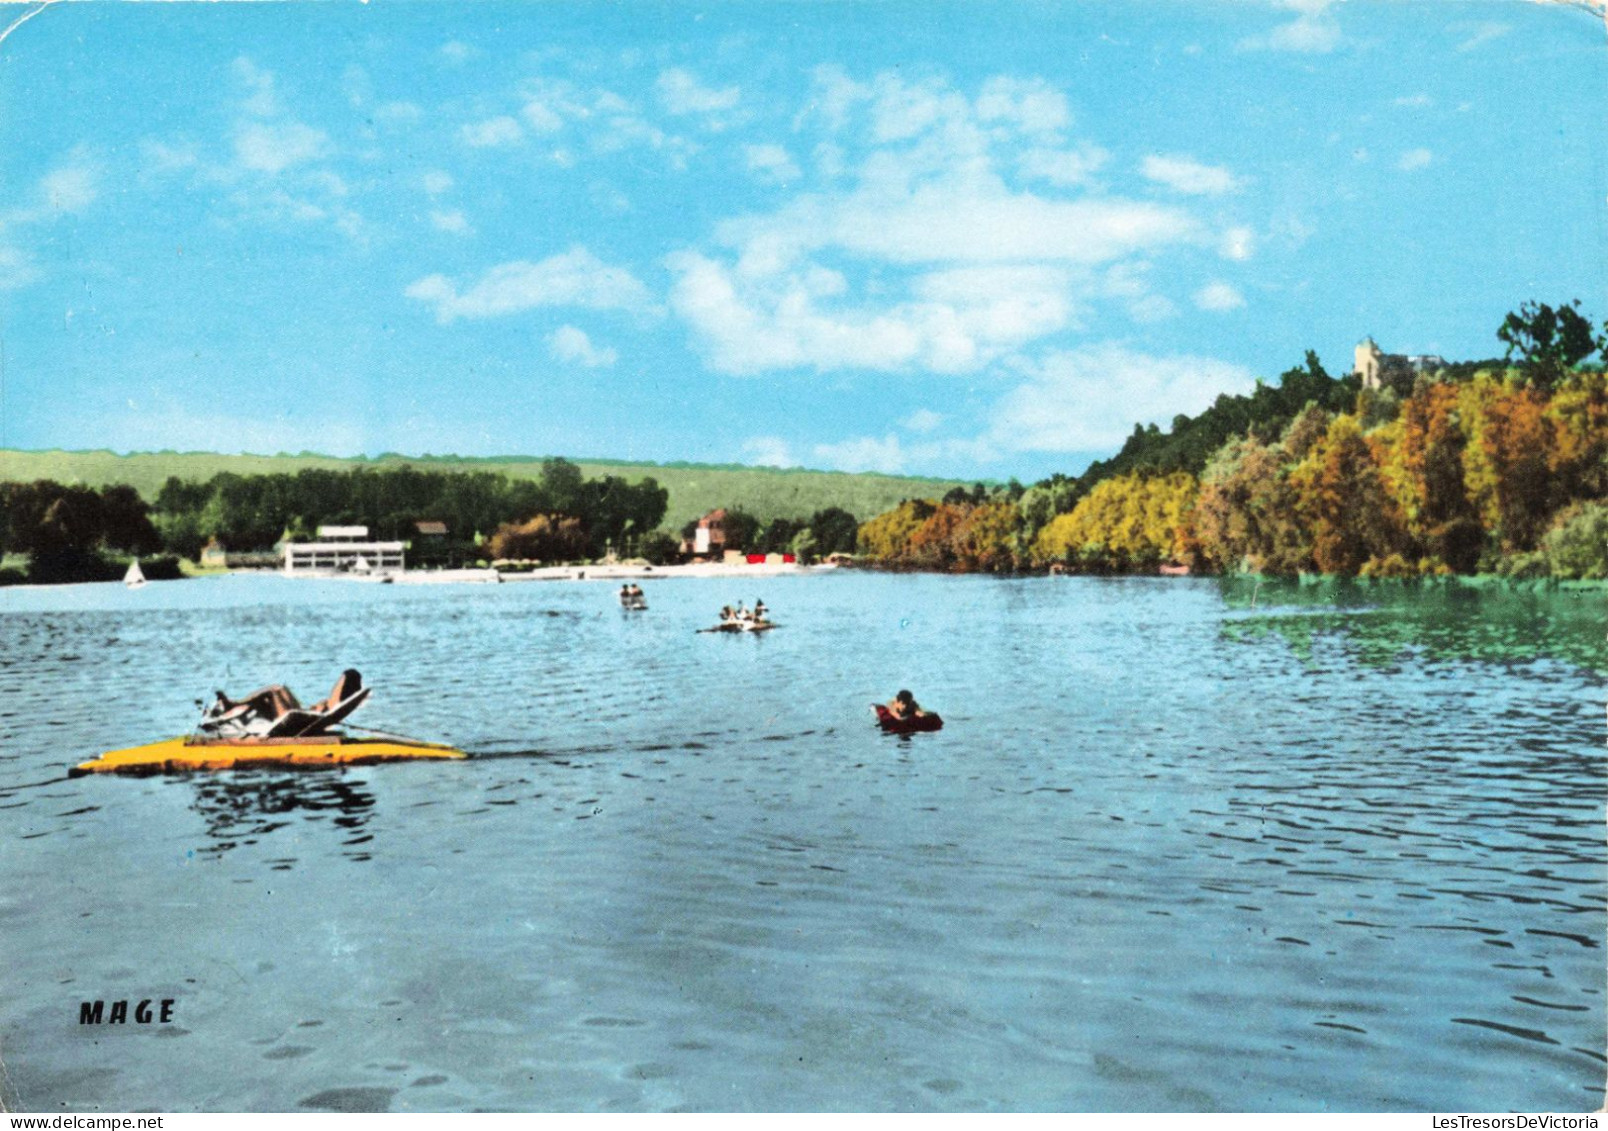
column 694, row 489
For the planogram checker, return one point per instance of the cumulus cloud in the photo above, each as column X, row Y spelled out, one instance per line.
column 436, row 182
column 771, row 163
column 768, row 451
column 70, row 188
column 16, row 271
column 1482, row 34
column 918, row 252
column 953, row 320
column 451, row 220
column 682, row 93
column 1187, row 175
column 1030, row 105
column 573, row 278
column 1089, row 399
column 501, row 130
column 272, row 147
column 922, row 420
column 570, row 343
column 864, row 453
column 1219, row 296
column 1237, row 243
column 1313, row 31
column 1063, row 167
column 1414, row 159
column 397, row 113
column 260, row 98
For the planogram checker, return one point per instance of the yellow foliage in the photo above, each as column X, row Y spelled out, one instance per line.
column 1129, row 519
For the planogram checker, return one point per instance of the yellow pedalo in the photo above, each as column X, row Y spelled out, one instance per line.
column 192, row 753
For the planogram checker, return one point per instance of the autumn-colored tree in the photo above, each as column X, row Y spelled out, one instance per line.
column 1577, row 417
column 545, row 537
column 886, row 538
column 932, row 544
column 1353, row 517
column 1505, row 463
column 1249, row 515
column 986, row 541
column 1128, row 521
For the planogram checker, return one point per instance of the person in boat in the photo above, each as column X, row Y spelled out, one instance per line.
column 726, row 615
column 742, row 612
column 625, row 594
column 904, row 706
column 276, row 700
column 760, row 610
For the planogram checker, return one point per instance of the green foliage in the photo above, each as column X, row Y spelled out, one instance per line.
column 1266, row 412
column 1549, row 342
column 659, row 548
column 1576, row 548
column 692, row 489
column 833, row 530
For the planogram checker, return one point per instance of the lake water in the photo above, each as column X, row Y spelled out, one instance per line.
column 1336, row 849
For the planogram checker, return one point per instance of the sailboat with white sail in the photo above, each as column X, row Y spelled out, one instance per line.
column 135, row 577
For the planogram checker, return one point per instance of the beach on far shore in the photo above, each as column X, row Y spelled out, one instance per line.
column 618, row 571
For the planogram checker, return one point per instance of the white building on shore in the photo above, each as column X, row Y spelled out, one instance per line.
column 343, row 549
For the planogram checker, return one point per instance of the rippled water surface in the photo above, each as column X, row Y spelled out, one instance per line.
column 1173, row 850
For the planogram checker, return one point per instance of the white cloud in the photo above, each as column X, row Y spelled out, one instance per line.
column 1187, row 175
column 1030, row 105
column 923, row 420
column 570, row 343
column 1063, row 167
column 681, row 93
column 70, row 188
column 964, row 218
column 1237, row 244
column 1414, row 159
column 1313, row 31
column 769, row 451
column 541, row 117
column 397, row 113
column 1219, row 296
column 771, row 163
column 501, row 130
column 1482, row 34
column 953, row 320
column 274, row 147
column 864, row 453
column 573, row 278
column 260, row 99
column 824, row 281
column 452, row 220
column 457, row 52
column 437, row 182
column 16, row 271
column 1089, row 399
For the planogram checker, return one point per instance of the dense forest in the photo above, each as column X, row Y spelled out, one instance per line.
column 1497, row 466
column 77, row 533
column 1476, row 467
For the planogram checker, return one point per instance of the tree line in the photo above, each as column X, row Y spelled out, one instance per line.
column 1492, row 467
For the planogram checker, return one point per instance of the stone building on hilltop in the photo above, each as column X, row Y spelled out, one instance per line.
column 1380, row 370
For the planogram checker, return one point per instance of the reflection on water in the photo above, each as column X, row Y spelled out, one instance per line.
column 241, row 809
column 1180, row 845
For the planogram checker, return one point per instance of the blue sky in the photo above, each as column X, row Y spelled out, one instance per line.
column 948, row 239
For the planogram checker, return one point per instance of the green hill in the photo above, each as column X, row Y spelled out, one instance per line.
column 695, row 489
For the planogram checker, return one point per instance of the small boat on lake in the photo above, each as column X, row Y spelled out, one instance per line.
column 244, row 735
column 135, row 577
column 742, row 626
